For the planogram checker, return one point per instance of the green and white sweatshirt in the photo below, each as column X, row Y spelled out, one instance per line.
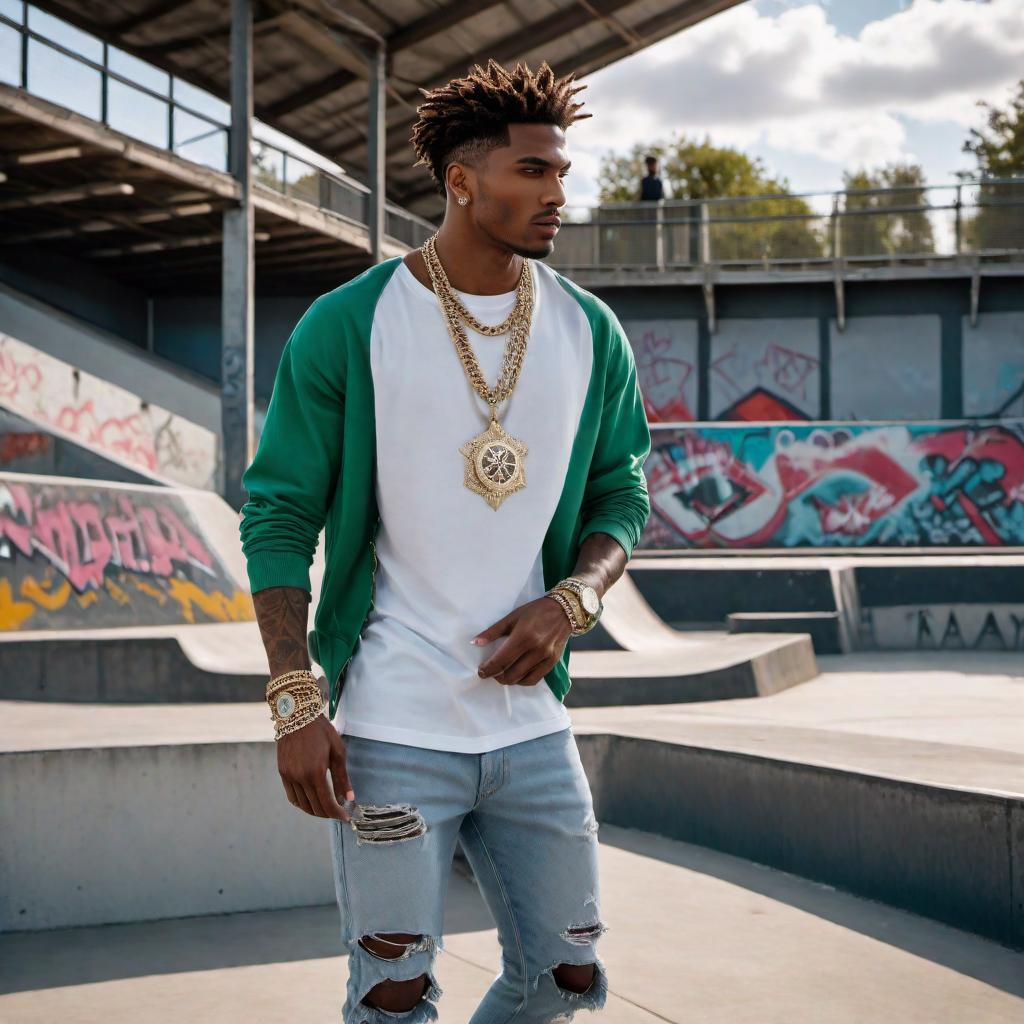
column 361, row 439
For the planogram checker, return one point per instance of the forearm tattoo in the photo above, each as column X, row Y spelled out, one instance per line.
column 282, row 614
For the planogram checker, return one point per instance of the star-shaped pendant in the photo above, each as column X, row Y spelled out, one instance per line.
column 494, row 464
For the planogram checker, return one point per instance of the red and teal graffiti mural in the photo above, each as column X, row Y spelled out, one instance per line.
column 76, row 556
column 836, row 485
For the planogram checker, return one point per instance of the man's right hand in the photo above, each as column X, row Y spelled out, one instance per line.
column 304, row 757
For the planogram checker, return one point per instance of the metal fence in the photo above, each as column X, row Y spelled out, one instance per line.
column 51, row 59
column 982, row 218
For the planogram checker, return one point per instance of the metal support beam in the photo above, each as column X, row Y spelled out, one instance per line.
column 975, row 289
column 377, row 152
column 238, row 272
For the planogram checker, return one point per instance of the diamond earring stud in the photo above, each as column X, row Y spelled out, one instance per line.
column 463, row 200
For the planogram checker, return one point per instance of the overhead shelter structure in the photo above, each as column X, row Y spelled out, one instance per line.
column 314, row 76
column 342, row 77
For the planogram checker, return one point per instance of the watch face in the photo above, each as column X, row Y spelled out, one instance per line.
column 590, row 601
column 285, row 705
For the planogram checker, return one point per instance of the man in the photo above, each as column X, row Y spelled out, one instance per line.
column 471, row 529
column 651, row 187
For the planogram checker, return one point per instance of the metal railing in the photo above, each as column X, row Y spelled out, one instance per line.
column 982, row 218
column 51, row 59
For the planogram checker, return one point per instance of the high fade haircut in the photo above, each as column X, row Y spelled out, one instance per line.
column 467, row 118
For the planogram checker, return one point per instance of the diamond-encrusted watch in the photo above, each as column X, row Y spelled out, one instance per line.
column 587, row 599
column 295, row 700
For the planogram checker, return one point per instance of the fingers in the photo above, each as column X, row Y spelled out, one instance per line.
column 520, row 670
column 539, row 671
column 300, row 799
column 329, row 802
column 305, row 758
column 504, row 657
column 339, row 773
column 313, row 797
column 499, row 628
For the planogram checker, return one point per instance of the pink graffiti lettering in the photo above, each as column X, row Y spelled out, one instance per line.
column 81, row 540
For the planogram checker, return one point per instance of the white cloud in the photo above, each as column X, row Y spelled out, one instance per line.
column 791, row 81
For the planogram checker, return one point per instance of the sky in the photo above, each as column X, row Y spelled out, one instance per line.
column 813, row 87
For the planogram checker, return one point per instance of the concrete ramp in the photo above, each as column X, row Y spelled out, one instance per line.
column 629, row 623
column 633, row 657
column 117, row 592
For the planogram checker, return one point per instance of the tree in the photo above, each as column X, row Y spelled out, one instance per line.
column 888, row 223
column 783, row 227
column 999, row 152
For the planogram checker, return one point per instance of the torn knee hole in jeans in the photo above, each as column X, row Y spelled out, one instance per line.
column 404, row 950
column 593, row 998
column 387, row 823
column 584, row 934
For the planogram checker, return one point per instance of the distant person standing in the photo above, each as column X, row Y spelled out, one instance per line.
column 651, row 187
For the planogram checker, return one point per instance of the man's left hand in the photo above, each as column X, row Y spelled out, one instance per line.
column 536, row 634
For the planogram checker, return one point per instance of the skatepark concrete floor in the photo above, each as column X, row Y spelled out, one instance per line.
column 694, row 936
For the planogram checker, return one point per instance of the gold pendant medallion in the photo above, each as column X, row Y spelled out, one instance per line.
column 494, row 464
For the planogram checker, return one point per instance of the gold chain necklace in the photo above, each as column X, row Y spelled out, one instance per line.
column 494, row 458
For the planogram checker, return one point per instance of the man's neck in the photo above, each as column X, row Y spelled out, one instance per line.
column 472, row 267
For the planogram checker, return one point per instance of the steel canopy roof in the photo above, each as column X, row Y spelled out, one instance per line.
column 310, row 71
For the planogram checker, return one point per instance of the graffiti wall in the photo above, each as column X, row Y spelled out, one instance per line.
column 837, row 485
column 103, row 417
column 764, row 370
column 887, row 368
column 666, row 366
column 993, row 365
column 78, row 556
column 944, row 627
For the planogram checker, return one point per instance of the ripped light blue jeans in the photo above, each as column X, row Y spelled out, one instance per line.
column 525, row 816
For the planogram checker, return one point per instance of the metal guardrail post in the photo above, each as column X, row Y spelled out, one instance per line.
column 705, row 235
column 835, row 241
column 958, row 225
column 659, row 237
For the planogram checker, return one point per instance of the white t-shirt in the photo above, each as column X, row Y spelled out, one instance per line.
column 448, row 564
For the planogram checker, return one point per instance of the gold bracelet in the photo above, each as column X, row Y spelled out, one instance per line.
column 300, row 722
column 559, row 596
column 286, row 677
column 295, row 700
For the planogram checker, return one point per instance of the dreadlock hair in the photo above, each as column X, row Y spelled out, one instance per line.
column 465, row 119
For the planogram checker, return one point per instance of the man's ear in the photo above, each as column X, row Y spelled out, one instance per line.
column 455, row 179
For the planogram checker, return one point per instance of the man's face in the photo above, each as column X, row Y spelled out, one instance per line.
column 518, row 189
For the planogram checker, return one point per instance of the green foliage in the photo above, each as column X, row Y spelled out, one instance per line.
column 881, row 223
column 998, row 149
column 698, row 171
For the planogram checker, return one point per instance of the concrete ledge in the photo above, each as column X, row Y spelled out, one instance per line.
column 822, row 627
column 952, row 855
column 685, row 591
column 119, row 669
column 130, row 833
column 135, row 833
column 752, row 665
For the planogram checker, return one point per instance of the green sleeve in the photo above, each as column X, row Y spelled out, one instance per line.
column 615, row 500
column 292, row 478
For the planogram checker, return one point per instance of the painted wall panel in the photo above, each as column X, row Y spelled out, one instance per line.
column 91, row 555
column 105, row 418
column 887, row 368
column 765, row 370
column 666, row 363
column 836, row 485
column 993, row 365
